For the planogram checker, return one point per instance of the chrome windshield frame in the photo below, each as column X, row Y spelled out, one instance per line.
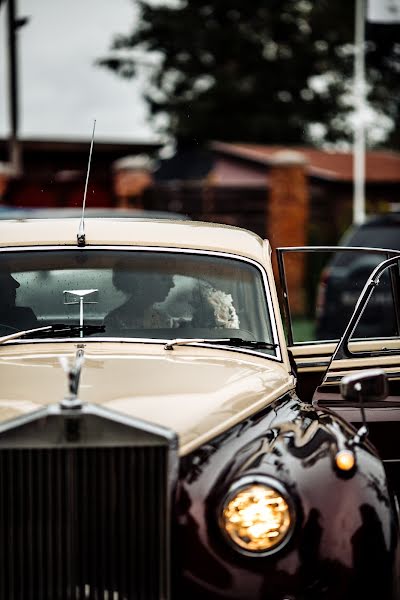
column 277, row 356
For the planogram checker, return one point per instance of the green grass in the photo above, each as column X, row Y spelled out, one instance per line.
column 303, row 329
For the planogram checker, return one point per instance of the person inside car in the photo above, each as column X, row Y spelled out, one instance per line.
column 213, row 308
column 144, row 290
column 13, row 317
column 197, row 303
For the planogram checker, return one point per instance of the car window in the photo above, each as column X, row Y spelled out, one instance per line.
column 340, row 286
column 379, row 316
column 136, row 293
column 323, row 287
column 379, row 309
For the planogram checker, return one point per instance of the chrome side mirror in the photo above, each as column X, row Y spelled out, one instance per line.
column 367, row 386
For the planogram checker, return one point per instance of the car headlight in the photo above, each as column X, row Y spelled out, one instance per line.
column 257, row 515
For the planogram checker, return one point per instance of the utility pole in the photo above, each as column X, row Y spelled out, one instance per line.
column 360, row 108
column 13, row 24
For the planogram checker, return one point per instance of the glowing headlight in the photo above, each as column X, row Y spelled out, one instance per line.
column 257, row 517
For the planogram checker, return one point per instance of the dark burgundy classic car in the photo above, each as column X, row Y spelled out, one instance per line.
column 357, row 377
column 160, row 440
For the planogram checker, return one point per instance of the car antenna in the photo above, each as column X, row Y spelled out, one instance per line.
column 81, row 237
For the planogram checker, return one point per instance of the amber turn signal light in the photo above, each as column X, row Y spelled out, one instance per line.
column 345, row 460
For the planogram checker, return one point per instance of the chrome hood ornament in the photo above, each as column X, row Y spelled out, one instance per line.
column 73, row 372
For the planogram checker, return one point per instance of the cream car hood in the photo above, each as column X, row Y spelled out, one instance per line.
column 197, row 392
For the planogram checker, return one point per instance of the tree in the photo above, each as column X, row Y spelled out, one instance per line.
column 259, row 70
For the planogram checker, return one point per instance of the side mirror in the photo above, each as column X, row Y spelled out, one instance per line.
column 367, row 386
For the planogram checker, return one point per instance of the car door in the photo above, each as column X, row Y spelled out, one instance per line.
column 320, row 289
column 375, row 416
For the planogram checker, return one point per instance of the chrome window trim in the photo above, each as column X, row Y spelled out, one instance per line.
column 134, row 248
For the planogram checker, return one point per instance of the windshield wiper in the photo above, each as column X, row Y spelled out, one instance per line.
column 18, row 334
column 66, row 330
column 55, row 330
column 238, row 342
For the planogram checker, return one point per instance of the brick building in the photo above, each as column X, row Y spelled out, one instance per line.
column 259, row 187
column 54, row 172
column 292, row 196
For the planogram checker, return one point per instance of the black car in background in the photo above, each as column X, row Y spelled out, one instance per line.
column 345, row 275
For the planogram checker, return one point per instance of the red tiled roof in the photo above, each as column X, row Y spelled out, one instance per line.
column 381, row 166
column 227, row 173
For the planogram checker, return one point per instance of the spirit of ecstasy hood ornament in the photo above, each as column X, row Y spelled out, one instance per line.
column 71, row 400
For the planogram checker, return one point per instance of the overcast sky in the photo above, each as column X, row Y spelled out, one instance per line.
column 61, row 91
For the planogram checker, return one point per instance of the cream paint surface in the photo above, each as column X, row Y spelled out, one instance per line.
column 324, row 349
column 197, row 392
column 156, row 233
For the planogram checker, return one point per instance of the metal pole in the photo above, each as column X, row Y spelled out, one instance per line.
column 14, row 145
column 359, row 120
column 81, row 315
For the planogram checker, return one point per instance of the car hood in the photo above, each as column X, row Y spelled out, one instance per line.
column 197, row 392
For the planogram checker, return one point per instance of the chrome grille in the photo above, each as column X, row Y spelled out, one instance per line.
column 84, row 523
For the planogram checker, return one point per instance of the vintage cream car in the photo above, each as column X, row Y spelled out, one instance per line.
column 152, row 443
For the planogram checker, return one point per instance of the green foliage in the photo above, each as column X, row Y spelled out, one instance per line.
column 244, row 69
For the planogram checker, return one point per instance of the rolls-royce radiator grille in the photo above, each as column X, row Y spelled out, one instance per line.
column 83, row 523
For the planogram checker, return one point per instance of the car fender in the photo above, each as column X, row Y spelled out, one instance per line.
column 345, row 522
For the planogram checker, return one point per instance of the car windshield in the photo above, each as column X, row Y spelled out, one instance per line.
column 133, row 294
